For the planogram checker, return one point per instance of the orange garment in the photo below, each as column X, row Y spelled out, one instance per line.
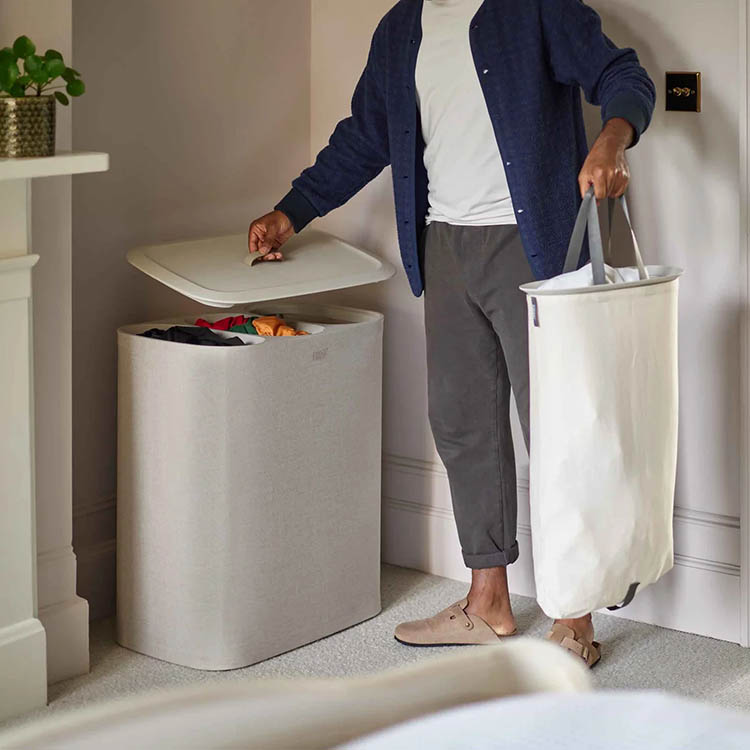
column 270, row 325
column 267, row 326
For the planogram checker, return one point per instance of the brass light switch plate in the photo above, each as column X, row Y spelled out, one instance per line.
column 683, row 92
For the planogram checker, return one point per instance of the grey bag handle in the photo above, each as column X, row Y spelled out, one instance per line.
column 588, row 218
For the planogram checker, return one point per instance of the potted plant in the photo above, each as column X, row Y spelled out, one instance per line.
column 28, row 97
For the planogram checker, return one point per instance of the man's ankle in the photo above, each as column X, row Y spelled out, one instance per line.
column 495, row 611
column 581, row 626
column 489, row 600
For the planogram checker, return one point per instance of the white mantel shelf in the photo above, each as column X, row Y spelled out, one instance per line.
column 62, row 163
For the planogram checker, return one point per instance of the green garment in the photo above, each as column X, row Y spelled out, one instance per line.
column 246, row 328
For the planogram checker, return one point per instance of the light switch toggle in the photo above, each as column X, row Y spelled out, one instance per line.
column 684, row 92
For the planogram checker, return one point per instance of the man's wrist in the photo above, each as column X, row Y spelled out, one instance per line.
column 618, row 132
column 285, row 215
column 297, row 209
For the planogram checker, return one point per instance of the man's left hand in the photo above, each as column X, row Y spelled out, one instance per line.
column 606, row 167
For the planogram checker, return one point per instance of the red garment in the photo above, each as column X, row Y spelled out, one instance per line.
column 223, row 325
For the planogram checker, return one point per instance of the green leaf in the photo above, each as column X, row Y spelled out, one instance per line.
column 6, row 53
column 55, row 67
column 8, row 74
column 23, row 47
column 75, row 88
column 52, row 54
column 40, row 76
column 62, row 98
column 32, row 64
column 70, row 75
column 17, row 89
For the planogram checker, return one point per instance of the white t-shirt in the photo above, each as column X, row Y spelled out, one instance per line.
column 467, row 183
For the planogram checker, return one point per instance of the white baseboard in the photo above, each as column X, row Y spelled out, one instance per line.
column 22, row 664
column 67, row 627
column 63, row 613
column 701, row 595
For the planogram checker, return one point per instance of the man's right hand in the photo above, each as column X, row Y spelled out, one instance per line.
column 268, row 234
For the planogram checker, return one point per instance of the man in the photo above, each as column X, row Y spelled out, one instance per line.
column 476, row 107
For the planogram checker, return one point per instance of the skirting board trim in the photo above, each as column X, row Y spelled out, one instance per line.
column 22, row 657
column 63, row 614
column 67, row 627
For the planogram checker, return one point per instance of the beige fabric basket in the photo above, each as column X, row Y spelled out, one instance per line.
column 248, row 499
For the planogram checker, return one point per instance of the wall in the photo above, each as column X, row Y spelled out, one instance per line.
column 204, row 108
column 190, row 158
column 685, row 204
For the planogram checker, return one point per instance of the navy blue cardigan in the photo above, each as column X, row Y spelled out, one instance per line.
column 532, row 58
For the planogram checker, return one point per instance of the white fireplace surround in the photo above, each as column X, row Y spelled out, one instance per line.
column 43, row 623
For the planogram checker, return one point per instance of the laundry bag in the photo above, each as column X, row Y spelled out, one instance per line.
column 604, row 412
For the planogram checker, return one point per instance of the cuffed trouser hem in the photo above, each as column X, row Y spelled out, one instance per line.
column 498, row 559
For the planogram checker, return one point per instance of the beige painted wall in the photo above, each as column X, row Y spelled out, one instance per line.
column 685, row 203
column 204, row 108
column 171, row 177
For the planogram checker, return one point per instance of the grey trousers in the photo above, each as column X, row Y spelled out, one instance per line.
column 477, row 350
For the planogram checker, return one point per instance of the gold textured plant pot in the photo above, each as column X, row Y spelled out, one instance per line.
column 27, row 126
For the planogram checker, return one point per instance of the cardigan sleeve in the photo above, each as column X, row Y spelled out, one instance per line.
column 581, row 54
column 356, row 153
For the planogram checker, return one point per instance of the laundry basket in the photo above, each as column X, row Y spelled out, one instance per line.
column 248, row 519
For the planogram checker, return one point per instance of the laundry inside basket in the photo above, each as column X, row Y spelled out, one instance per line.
column 255, row 325
column 584, row 277
column 196, row 335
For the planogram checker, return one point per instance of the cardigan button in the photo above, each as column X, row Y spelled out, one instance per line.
column 485, row 71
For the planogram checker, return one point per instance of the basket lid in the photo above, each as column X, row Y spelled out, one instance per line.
column 218, row 271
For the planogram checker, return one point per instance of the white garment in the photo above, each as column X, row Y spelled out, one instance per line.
column 584, row 277
column 467, row 183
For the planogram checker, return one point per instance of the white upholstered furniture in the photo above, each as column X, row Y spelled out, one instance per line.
column 307, row 714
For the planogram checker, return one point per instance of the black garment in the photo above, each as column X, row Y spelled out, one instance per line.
column 188, row 335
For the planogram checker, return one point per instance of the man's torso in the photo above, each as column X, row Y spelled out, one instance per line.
column 467, row 182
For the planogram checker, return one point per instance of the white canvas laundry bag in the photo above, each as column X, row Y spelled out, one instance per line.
column 604, row 412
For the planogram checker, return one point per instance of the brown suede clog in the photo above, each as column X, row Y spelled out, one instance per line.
column 451, row 627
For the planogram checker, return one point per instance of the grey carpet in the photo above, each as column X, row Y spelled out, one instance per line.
column 636, row 656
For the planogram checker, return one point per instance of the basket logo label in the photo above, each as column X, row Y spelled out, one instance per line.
column 320, row 355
